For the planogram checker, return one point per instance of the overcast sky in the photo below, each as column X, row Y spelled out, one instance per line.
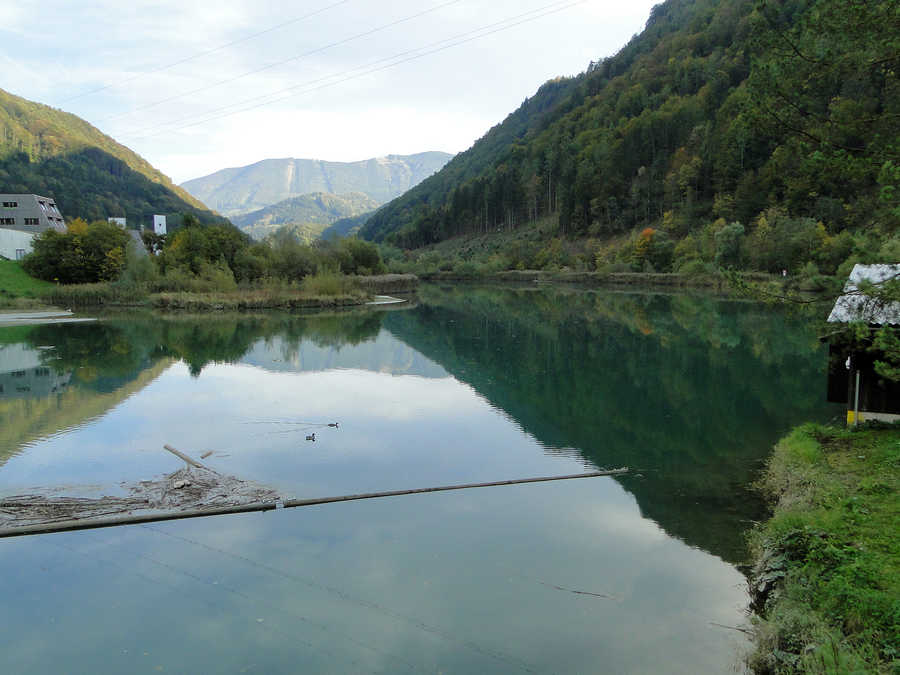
column 195, row 87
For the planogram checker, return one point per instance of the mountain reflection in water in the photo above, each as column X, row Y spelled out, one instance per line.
column 691, row 392
column 473, row 384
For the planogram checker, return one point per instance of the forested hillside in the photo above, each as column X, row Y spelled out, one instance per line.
column 313, row 212
column 754, row 134
column 53, row 153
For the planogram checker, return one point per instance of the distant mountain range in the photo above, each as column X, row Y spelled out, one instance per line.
column 308, row 214
column 53, row 153
column 241, row 190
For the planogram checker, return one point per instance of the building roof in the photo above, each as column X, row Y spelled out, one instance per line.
column 854, row 306
column 139, row 247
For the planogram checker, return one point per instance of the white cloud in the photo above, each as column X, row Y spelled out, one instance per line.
column 445, row 100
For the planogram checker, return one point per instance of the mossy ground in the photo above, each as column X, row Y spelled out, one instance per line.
column 828, row 561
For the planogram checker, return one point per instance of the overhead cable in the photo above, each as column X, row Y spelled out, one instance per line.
column 275, row 64
column 199, row 55
column 354, row 73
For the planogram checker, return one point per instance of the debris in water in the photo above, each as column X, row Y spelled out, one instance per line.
column 185, row 489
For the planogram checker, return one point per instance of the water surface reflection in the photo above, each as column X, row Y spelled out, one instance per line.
column 471, row 385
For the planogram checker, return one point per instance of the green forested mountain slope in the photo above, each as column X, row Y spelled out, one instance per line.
column 50, row 152
column 346, row 227
column 781, row 117
column 318, row 210
column 249, row 188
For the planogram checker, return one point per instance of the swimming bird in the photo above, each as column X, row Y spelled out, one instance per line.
column 311, row 437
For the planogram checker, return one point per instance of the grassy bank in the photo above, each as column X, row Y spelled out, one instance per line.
column 827, row 580
column 17, row 289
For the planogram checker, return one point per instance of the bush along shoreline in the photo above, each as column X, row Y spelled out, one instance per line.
column 825, row 587
column 321, row 290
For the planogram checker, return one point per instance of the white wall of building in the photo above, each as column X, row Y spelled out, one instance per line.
column 18, row 357
column 12, row 241
column 159, row 224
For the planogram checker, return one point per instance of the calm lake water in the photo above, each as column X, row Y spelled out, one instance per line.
column 635, row 574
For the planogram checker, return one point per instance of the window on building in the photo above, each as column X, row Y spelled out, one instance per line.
column 20, row 253
column 7, row 221
column 32, row 221
column 10, row 205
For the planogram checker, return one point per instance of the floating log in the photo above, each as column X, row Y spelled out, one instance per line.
column 137, row 519
column 187, row 459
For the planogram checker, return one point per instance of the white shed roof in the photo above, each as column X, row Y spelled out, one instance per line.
column 854, row 306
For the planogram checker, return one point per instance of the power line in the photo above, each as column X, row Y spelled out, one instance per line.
column 275, row 64
column 202, row 54
column 366, row 69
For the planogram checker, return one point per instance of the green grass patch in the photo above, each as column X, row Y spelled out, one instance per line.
column 16, row 283
column 827, row 579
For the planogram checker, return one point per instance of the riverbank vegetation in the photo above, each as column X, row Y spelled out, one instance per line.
column 827, row 576
column 211, row 267
column 530, row 253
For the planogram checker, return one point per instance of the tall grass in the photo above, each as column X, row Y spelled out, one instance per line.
column 388, row 283
column 326, row 283
column 82, row 295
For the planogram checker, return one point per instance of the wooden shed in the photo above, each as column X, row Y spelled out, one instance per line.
column 852, row 376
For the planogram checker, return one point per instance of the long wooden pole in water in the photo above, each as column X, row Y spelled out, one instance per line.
column 132, row 519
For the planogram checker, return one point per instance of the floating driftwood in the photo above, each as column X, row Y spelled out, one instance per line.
column 187, row 489
column 183, row 456
column 191, row 493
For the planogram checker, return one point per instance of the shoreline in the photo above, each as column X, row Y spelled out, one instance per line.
column 825, row 585
column 615, row 279
column 357, row 291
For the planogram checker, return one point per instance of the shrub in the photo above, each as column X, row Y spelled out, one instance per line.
column 84, row 254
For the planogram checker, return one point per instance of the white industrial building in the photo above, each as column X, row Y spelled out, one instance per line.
column 22, row 217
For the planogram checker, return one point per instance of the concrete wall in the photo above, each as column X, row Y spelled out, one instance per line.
column 10, row 240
